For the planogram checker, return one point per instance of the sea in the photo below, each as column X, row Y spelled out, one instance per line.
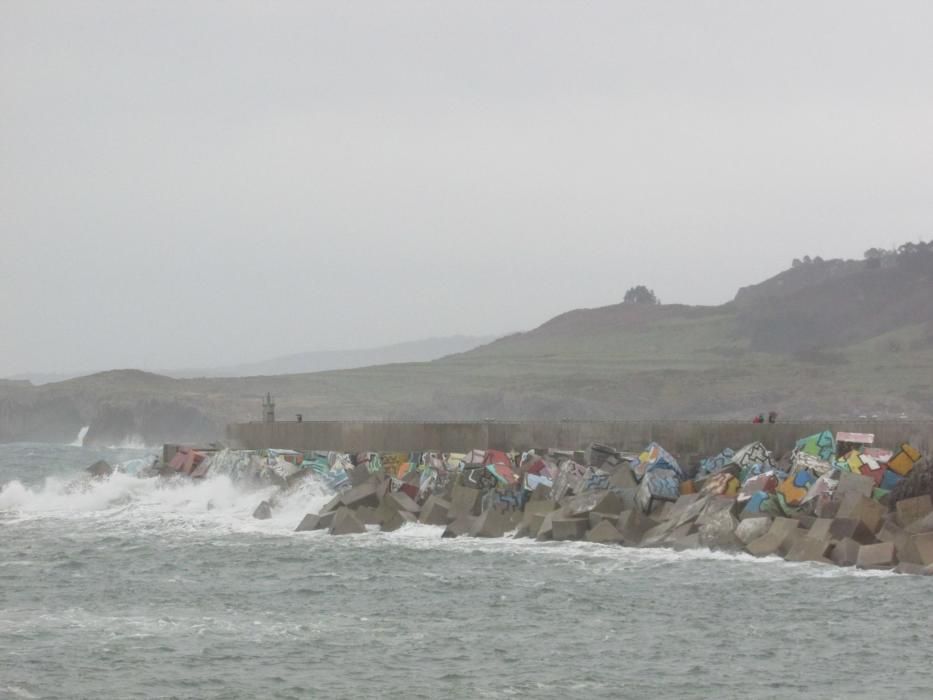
column 145, row 588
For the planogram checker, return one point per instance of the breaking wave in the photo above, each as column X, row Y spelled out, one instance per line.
column 217, row 502
column 79, row 439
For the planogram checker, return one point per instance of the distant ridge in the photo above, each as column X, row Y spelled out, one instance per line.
column 824, row 340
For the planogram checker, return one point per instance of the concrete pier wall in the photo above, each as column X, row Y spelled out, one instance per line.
column 684, row 438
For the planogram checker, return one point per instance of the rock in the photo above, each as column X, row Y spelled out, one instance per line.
column 845, row 552
column 435, row 511
column 910, row 510
column 366, row 494
column 459, row 526
column 752, row 528
column 490, row 523
column 346, row 523
column 308, row 523
column 263, row 511
column 465, row 501
column 567, row 528
column 810, row 549
column 876, row 556
column 100, row 469
column 858, row 507
column 604, row 533
column 854, row 483
column 850, row 528
column 780, row 536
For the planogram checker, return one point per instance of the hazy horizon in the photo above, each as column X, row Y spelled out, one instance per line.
column 197, row 185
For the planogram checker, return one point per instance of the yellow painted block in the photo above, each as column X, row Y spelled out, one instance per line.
column 904, row 460
column 732, row 488
column 854, row 460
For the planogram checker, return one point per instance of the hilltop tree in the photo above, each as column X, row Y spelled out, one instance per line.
column 641, row 295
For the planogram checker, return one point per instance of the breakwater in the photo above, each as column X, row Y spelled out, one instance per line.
column 685, row 438
column 834, row 498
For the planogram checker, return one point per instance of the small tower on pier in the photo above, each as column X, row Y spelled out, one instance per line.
column 268, row 409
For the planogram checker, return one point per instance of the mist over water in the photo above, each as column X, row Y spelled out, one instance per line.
column 129, row 587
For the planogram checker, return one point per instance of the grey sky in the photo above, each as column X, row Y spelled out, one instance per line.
column 196, row 184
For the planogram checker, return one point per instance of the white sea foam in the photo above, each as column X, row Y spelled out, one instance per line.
column 79, row 440
column 178, row 503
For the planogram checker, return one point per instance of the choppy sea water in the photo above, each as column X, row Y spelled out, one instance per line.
column 140, row 589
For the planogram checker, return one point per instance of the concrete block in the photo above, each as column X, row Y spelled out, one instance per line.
column 780, row 536
column 491, row 523
column 461, row 526
column 369, row 515
column 910, row 510
column 395, row 519
column 826, row 508
column 263, row 511
column 854, row 483
column 568, row 528
column 358, row 474
column 913, row 569
column 819, row 530
column 682, row 544
column 366, row 494
column 922, row 544
column 633, row 524
column 596, row 518
column 436, row 511
column 623, row 478
column 845, row 552
column 546, row 530
column 851, row 528
column 604, row 533
column 402, row 501
column 346, row 523
column 465, row 501
column 308, row 523
column 809, row 549
column 752, row 528
column 876, row 556
column 332, row 505
column 718, row 531
column 924, row 524
column 866, row 510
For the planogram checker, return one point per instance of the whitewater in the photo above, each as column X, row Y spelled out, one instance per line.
column 137, row 588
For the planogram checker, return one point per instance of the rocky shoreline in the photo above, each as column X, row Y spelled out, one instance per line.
column 835, row 499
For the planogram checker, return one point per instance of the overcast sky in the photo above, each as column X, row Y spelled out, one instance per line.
column 197, row 184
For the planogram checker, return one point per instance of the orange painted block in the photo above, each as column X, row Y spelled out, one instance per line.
column 687, row 487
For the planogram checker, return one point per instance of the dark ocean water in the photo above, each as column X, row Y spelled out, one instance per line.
column 137, row 589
